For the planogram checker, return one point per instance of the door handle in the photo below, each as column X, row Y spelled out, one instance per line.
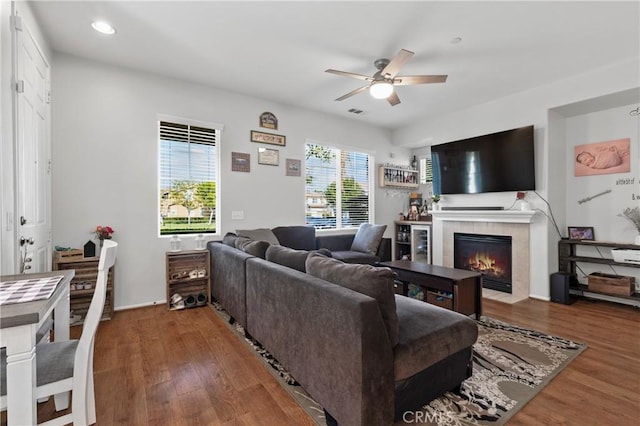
column 22, row 220
column 24, row 241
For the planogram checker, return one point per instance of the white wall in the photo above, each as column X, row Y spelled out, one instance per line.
column 105, row 168
column 603, row 212
column 520, row 109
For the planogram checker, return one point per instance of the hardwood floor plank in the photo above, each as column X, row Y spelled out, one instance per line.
column 158, row 367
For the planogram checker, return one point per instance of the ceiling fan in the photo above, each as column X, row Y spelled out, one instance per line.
column 381, row 83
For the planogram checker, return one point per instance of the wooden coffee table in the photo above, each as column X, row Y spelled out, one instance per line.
column 464, row 286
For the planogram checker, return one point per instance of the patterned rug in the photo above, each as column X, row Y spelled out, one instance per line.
column 510, row 366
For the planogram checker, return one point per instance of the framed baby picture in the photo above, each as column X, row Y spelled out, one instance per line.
column 581, row 233
column 602, row 158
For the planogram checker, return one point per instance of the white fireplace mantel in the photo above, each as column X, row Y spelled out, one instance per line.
column 504, row 216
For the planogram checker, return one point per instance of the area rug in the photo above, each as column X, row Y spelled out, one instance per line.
column 511, row 365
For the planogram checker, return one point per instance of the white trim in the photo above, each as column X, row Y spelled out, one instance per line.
column 504, row 216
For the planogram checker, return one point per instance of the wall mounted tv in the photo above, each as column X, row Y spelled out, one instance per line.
column 498, row 162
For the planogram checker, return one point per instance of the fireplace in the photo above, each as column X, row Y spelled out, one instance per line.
column 488, row 254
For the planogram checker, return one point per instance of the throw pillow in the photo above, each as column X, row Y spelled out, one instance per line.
column 260, row 234
column 285, row 256
column 230, row 239
column 368, row 238
column 365, row 279
column 254, row 248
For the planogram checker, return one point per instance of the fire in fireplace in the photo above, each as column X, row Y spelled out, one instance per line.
column 488, row 254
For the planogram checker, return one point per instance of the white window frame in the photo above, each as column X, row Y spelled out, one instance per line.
column 191, row 122
column 370, row 184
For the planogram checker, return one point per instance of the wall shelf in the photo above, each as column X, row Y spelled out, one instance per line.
column 397, row 177
column 567, row 259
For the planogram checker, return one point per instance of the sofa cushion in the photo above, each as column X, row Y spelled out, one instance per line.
column 230, row 239
column 368, row 238
column 427, row 335
column 288, row 257
column 260, row 234
column 299, row 237
column 366, row 279
column 349, row 256
column 255, row 248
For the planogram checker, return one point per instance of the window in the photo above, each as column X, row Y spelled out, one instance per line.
column 338, row 187
column 188, row 177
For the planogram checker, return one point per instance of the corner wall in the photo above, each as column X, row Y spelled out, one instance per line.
column 520, row 109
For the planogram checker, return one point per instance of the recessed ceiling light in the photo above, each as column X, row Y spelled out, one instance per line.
column 103, row 27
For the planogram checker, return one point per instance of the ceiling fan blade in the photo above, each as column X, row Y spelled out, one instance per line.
column 350, row 74
column 393, row 99
column 353, row 92
column 407, row 80
column 398, row 61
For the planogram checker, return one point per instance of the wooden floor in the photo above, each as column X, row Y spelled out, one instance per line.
column 155, row 367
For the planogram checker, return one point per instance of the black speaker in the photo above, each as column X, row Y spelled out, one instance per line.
column 560, row 282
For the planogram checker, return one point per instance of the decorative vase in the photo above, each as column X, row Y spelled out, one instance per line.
column 200, row 242
column 175, row 243
column 436, row 206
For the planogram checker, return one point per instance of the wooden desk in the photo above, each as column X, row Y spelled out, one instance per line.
column 465, row 286
column 19, row 323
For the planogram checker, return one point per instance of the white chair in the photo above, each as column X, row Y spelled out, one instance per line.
column 68, row 365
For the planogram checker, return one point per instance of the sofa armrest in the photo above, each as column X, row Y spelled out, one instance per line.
column 330, row 338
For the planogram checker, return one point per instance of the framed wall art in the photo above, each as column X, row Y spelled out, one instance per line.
column 293, row 167
column 240, row 162
column 268, row 156
column 602, row 158
column 270, row 138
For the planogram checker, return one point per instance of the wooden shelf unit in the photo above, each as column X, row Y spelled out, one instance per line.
column 179, row 266
column 397, row 177
column 86, row 272
column 568, row 257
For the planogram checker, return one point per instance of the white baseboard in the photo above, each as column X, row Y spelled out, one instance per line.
column 141, row 305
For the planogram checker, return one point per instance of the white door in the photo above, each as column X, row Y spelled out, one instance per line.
column 33, row 153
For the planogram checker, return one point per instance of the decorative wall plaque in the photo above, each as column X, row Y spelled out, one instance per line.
column 270, row 138
column 268, row 120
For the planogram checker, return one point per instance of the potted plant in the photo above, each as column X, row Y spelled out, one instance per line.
column 435, row 198
column 633, row 216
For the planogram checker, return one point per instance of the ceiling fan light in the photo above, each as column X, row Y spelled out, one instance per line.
column 381, row 90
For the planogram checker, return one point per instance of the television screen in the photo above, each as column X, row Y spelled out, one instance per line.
column 498, row 162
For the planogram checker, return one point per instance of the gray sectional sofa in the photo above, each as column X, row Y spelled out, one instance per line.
column 362, row 352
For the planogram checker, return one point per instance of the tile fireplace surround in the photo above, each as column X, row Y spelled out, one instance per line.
column 514, row 223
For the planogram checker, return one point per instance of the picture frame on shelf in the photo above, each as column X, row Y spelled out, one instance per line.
column 269, row 157
column 584, row 233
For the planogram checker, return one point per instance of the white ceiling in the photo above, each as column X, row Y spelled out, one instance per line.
column 278, row 51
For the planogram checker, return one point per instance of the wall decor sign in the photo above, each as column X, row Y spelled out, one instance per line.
column 602, row 158
column 268, row 120
column 240, row 162
column 581, row 233
column 268, row 156
column 270, row 138
column 293, row 167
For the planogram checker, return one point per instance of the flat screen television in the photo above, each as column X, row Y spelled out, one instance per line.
column 498, row 162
